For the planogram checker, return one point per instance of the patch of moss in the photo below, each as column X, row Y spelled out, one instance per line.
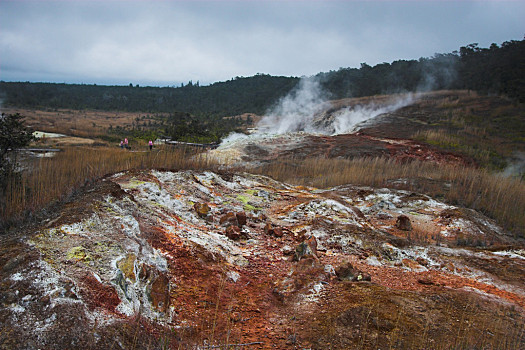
column 78, row 254
column 247, row 206
column 243, row 199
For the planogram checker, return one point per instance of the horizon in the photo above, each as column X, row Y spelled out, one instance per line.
column 167, row 43
column 199, row 83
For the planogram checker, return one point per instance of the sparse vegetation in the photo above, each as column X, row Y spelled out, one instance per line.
column 489, row 130
column 494, row 195
column 53, row 179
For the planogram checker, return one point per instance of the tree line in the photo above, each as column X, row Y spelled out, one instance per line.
column 499, row 69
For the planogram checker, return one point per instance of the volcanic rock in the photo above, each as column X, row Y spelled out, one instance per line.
column 307, row 249
column 347, row 272
column 104, row 274
column 403, row 223
column 272, row 230
column 233, row 232
column 202, row 209
column 277, row 232
column 228, row 219
column 241, row 218
column 159, row 292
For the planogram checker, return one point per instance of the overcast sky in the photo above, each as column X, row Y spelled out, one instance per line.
column 167, row 42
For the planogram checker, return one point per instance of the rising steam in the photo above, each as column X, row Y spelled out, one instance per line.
column 296, row 111
column 306, row 109
column 347, row 119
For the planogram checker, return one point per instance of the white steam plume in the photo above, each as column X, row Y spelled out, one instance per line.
column 516, row 168
column 347, row 119
column 305, row 109
column 296, row 111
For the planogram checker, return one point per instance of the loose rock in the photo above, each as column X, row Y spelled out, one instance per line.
column 307, row 249
column 241, row 218
column 403, row 223
column 202, row 209
column 347, row 272
column 233, row 232
column 228, row 219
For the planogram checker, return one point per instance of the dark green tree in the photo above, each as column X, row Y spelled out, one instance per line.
column 13, row 135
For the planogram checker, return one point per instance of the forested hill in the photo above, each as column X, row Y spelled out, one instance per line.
column 232, row 97
column 499, row 69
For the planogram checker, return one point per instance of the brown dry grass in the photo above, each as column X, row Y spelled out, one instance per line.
column 498, row 197
column 82, row 123
column 54, row 178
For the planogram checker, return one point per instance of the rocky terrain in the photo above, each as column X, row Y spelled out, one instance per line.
column 160, row 259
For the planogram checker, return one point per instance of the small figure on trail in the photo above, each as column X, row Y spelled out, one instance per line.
column 126, row 143
column 121, row 144
column 150, row 144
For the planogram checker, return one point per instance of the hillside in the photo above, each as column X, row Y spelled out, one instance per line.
column 160, row 259
column 454, row 127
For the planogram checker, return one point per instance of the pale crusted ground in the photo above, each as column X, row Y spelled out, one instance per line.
column 130, row 261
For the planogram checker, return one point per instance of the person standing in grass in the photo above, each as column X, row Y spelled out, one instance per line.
column 126, row 143
column 150, row 144
column 121, row 144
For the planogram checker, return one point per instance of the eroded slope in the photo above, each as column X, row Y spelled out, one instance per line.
column 156, row 258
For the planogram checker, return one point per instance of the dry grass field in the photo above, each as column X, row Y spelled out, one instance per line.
column 52, row 179
column 80, row 123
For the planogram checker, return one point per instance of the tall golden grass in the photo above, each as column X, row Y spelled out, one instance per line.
column 50, row 179
column 496, row 196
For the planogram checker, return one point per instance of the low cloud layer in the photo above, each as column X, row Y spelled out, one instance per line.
column 168, row 42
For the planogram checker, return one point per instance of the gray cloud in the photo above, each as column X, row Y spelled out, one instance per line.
column 166, row 42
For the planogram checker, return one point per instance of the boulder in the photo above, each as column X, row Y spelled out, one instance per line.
column 277, row 232
column 347, row 272
column 202, row 209
column 233, row 232
column 271, row 230
column 241, row 218
column 403, row 223
column 228, row 219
